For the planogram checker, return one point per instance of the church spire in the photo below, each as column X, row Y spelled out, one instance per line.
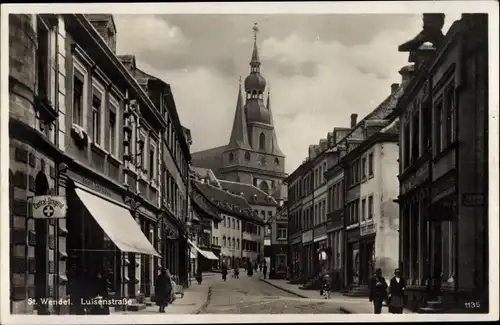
column 275, row 147
column 255, row 62
column 239, row 133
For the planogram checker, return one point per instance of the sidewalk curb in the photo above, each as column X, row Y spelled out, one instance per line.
column 207, row 301
column 283, row 289
column 345, row 310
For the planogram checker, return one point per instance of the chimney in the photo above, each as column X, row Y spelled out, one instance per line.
column 406, row 73
column 354, row 120
column 394, row 87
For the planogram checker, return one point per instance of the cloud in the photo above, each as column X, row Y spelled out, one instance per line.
column 321, row 68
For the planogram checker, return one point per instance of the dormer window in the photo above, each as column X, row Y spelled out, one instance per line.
column 231, row 156
column 247, row 156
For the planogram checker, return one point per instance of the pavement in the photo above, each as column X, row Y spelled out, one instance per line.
column 250, row 295
column 194, row 300
column 347, row 305
column 255, row 295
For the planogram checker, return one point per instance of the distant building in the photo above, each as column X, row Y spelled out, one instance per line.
column 276, row 240
column 252, row 155
column 237, row 232
column 307, row 211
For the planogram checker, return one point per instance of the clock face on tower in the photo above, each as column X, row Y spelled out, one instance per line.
column 263, row 160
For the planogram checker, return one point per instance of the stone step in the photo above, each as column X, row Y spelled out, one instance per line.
column 434, row 304
column 136, row 307
column 428, row 310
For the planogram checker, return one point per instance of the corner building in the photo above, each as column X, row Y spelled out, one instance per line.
column 83, row 127
column 444, row 166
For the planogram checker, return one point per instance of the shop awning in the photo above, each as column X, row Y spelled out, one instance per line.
column 117, row 223
column 207, row 254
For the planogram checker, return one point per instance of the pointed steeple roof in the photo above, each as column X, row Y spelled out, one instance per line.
column 239, row 133
column 276, row 149
column 255, row 53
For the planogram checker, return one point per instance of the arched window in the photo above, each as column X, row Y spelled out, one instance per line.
column 231, row 156
column 247, row 156
column 234, row 243
column 262, row 141
column 238, row 243
column 224, row 241
column 276, row 161
column 264, row 187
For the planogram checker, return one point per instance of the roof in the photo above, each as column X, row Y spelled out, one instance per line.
column 104, row 18
column 239, row 133
column 282, row 213
column 276, row 149
column 252, row 194
column 210, row 158
column 227, row 202
column 204, row 204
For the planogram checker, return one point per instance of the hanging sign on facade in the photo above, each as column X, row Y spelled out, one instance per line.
column 49, row 207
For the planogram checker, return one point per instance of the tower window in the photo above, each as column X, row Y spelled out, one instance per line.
column 276, row 161
column 262, row 141
column 231, row 156
column 247, row 155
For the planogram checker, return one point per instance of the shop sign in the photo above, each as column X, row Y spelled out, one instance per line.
column 420, row 175
column 307, row 236
column 473, row 199
column 353, row 235
column 49, row 207
column 367, row 229
column 296, row 240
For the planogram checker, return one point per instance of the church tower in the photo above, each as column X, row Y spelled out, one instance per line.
column 253, row 155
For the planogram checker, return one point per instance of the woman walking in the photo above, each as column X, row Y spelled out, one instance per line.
column 163, row 289
column 397, row 293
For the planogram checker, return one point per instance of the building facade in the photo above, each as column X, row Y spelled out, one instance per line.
column 443, row 164
column 238, row 225
column 276, row 250
column 370, row 207
column 169, row 149
column 84, row 131
column 307, row 215
column 252, row 155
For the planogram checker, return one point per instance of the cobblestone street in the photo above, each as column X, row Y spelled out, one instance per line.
column 251, row 296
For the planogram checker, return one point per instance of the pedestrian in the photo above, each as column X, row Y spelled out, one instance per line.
column 224, row 272
column 397, row 289
column 236, row 273
column 249, row 269
column 378, row 291
column 260, row 267
column 199, row 276
column 101, row 292
column 265, row 270
column 163, row 290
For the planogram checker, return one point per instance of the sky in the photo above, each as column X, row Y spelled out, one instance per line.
column 320, row 68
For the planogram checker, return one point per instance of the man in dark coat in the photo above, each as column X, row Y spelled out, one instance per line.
column 265, row 270
column 163, row 290
column 397, row 289
column 101, row 289
column 249, row 268
column 378, row 291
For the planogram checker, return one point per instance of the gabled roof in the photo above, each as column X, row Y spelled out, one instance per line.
column 204, row 204
column 253, row 195
column 227, row 202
